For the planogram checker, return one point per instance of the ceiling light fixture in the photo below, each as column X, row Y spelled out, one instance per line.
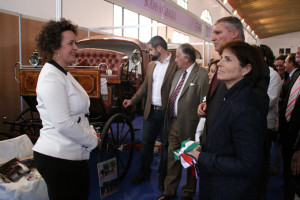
column 234, row 12
column 248, row 27
column 242, row 20
column 224, row 1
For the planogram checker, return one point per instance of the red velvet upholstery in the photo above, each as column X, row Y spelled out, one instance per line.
column 93, row 57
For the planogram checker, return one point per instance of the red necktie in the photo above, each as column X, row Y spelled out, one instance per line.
column 175, row 94
column 292, row 99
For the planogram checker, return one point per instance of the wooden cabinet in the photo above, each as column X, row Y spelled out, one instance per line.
column 88, row 77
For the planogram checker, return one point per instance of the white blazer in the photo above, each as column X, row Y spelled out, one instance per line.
column 62, row 104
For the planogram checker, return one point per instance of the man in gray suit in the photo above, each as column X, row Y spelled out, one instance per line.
column 155, row 88
column 189, row 86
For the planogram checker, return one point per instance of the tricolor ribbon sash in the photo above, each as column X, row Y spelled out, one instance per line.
column 187, row 160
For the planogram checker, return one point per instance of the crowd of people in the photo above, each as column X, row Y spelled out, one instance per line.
column 244, row 98
column 247, row 100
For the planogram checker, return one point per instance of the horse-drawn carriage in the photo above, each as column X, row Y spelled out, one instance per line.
column 110, row 69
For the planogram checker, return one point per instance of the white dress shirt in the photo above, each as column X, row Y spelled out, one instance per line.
column 292, row 72
column 62, row 104
column 273, row 93
column 186, row 78
column 157, row 80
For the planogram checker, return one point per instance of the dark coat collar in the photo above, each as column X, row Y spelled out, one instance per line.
column 233, row 90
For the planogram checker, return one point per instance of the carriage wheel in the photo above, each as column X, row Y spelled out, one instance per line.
column 28, row 122
column 117, row 141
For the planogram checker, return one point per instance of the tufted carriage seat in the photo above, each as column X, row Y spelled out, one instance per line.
column 93, row 57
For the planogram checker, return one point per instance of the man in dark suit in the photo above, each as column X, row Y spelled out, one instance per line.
column 189, row 86
column 289, row 128
column 156, row 88
column 291, row 65
column 225, row 29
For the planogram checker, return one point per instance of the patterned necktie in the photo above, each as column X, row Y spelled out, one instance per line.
column 175, row 94
column 292, row 99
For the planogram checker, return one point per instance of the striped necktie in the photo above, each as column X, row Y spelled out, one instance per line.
column 292, row 99
column 175, row 94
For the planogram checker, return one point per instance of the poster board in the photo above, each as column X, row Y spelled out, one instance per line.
column 108, row 177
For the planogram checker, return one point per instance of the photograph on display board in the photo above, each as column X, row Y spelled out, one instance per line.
column 108, row 177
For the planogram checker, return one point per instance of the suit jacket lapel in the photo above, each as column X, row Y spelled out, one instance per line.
column 215, row 87
column 152, row 67
column 169, row 69
column 175, row 81
column 190, row 79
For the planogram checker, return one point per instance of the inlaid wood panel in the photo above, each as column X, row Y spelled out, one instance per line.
column 28, row 81
column 87, row 77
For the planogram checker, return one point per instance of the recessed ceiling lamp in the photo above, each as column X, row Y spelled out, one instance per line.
column 248, row 27
column 224, row 1
column 235, row 12
column 242, row 20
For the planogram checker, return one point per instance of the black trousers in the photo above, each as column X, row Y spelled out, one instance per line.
column 65, row 179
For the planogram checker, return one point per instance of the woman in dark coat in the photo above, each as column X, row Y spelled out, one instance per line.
column 230, row 160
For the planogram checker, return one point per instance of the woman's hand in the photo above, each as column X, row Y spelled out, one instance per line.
column 195, row 153
column 198, row 148
column 95, row 133
column 202, row 109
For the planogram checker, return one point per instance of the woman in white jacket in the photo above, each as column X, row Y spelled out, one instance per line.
column 62, row 151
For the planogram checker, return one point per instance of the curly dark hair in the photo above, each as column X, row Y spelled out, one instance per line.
column 50, row 37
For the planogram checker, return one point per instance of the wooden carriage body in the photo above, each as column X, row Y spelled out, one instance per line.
column 101, row 62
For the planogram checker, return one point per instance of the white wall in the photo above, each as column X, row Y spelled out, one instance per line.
column 216, row 11
column 84, row 13
column 89, row 13
column 290, row 40
column 43, row 9
column 99, row 13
